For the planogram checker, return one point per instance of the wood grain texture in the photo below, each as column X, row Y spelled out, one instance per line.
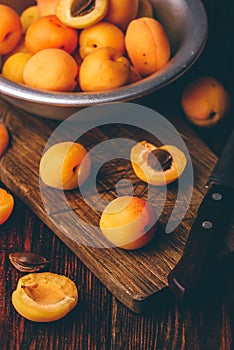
column 133, row 277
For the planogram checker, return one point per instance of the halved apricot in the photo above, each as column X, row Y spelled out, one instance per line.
column 6, row 205
column 81, row 14
column 157, row 165
column 44, row 296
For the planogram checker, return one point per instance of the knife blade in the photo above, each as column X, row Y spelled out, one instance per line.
column 208, row 228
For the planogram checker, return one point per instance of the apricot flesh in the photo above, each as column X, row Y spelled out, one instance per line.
column 128, row 222
column 45, row 296
column 205, row 101
column 6, row 205
column 65, row 165
column 144, row 170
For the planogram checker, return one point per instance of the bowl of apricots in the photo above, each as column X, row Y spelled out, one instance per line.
column 58, row 56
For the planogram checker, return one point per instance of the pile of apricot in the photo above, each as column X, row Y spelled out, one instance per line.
column 63, row 45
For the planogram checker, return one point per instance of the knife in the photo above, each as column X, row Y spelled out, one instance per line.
column 208, row 228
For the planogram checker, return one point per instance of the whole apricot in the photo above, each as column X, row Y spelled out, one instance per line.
column 65, row 166
column 128, row 222
column 49, row 32
column 157, row 165
column 44, row 296
column 6, row 205
column 121, row 12
column 134, row 75
column 13, row 67
column 81, row 14
column 46, row 7
column 4, row 139
column 102, row 34
column 145, row 9
column 51, row 69
column 205, row 101
column 104, row 68
column 147, row 45
column 28, row 16
column 10, row 29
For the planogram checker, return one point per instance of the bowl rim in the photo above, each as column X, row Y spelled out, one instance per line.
column 189, row 51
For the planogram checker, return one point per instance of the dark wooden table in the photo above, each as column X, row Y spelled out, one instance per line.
column 100, row 321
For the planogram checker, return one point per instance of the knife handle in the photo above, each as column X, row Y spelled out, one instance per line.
column 203, row 241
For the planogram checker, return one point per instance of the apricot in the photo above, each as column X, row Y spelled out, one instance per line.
column 51, row 69
column 157, row 165
column 121, row 12
column 10, row 29
column 81, row 14
column 128, row 222
column 4, row 139
column 104, row 68
column 28, row 16
column 44, row 296
column 145, row 9
column 46, row 7
column 50, row 32
column 134, row 75
column 6, row 205
column 13, row 67
column 205, row 101
column 147, row 45
column 102, row 34
column 65, row 165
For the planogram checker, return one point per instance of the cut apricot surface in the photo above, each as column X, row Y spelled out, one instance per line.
column 157, row 165
column 6, row 205
column 44, row 296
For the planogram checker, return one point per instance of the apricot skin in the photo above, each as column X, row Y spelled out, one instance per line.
column 4, row 139
column 10, row 29
column 6, row 205
column 128, row 222
column 103, row 69
column 147, row 45
column 205, row 101
column 121, row 12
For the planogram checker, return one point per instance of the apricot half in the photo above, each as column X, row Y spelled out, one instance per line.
column 65, row 165
column 6, row 205
column 45, row 296
column 157, row 165
column 205, row 101
column 81, row 14
column 128, row 222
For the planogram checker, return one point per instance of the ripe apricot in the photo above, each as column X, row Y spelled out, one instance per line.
column 128, row 222
column 205, row 101
column 157, row 165
column 147, row 45
column 46, row 7
column 102, row 34
column 104, row 68
column 13, row 67
column 50, row 32
column 145, row 9
column 121, row 12
column 44, row 296
column 28, row 16
column 51, row 69
column 81, row 14
column 10, row 29
column 65, row 165
column 134, row 75
column 6, row 205
column 4, row 139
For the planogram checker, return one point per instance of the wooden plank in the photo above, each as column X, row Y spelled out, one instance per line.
column 134, row 277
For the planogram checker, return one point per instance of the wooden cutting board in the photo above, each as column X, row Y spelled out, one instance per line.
column 134, row 277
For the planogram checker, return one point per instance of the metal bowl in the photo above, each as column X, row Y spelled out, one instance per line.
column 185, row 22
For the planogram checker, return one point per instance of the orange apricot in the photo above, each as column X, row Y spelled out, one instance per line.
column 81, row 14
column 102, row 34
column 134, row 75
column 6, row 205
column 145, row 9
column 205, row 101
column 13, row 67
column 10, row 29
column 49, row 32
column 43, row 70
column 157, row 165
column 65, row 165
column 103, row 69
column 128, row 222
column 4, row 139
column 147, row 45
column 121, row 12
